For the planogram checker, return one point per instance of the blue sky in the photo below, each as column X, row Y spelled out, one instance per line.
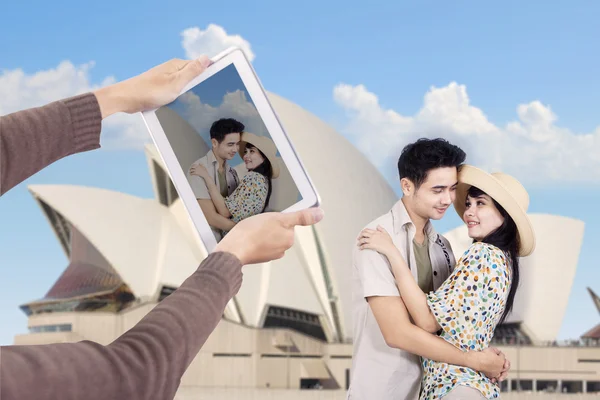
column 506, row 55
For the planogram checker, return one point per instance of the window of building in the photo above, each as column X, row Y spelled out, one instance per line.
column 51, row 328
column 300, row 321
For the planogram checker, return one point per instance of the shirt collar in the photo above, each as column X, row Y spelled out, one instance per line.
column 401, row 219
column 212, row 159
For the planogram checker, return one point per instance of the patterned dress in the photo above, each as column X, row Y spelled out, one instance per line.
column 249, row 197
column 468, row 306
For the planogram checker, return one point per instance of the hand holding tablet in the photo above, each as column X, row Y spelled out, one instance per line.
column 226, row 151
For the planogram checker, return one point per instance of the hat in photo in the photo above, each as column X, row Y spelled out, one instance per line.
column 265, row 145
column 506, row 191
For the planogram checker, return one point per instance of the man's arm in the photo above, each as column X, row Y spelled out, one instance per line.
column 399, row 332
column 214, row 219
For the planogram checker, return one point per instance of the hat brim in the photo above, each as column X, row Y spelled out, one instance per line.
column 250, row 138
column 471, row 176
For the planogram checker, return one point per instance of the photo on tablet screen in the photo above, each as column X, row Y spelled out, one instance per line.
column 226, row 152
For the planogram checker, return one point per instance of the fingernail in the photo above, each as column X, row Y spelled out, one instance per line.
column 204, row 61
column 318, row 214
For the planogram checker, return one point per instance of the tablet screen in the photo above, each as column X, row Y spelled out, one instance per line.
column 226, row 152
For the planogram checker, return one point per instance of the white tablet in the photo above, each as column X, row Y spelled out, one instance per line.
column 226, row 151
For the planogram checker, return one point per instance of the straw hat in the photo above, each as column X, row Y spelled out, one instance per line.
column 265, row 145
column 507, row 191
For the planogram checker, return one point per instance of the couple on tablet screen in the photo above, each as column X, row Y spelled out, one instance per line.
column 423, row 322
column 224, row 198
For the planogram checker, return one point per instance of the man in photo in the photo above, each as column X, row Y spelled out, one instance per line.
column 225, row 135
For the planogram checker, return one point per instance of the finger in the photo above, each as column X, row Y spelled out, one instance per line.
column 306, row 217
column 503, row 376
column 193, row 68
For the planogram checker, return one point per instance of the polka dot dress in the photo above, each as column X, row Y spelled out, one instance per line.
column 468, row 306
column 249, row 197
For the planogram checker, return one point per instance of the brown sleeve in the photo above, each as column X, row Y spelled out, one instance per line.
column 33, row 139
column 146, row 362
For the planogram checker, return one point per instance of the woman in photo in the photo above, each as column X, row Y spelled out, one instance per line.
column 480, row 292
column 252, row 195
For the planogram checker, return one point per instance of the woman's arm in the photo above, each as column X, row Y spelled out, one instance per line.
column 213, row 190
column 217, row 198
column 412, row 295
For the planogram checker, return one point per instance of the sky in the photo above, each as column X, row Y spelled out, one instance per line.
column 513, row 83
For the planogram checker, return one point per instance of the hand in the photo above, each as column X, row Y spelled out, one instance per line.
column 491, row 362
column 154, row 88
column 199, row 170
column 505, row 369
column 378, row 240
column 266, row 237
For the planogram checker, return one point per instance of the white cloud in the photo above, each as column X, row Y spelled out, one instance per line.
column 532, row 148
column 19, row 90
column 234, row 105
column 212, row 41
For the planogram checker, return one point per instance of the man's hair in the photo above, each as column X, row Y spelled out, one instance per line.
column 420, row 157
column 225, row 126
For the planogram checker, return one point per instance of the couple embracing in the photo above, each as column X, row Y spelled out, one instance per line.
column 423, row 321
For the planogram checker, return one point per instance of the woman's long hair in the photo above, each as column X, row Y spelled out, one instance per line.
column 265, row 169
column 506, row 238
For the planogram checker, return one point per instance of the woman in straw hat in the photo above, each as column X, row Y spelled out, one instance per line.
column 480, row 292
column 252, row 195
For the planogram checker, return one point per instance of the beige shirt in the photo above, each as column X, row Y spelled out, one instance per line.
column 378, row 371
column 209, row 161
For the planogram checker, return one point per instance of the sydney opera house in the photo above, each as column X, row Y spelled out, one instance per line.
column 290, row 325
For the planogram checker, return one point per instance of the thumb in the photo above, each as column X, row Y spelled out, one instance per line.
column 193, row 68
column 306, row 217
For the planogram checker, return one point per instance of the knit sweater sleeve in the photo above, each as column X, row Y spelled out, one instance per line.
column 32, row 139
column 146, row 362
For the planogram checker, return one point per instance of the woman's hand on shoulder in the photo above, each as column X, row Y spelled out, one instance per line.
column 376, row 239
column 199, row 170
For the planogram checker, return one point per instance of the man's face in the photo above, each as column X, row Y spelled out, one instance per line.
column 228, row 148
column 436, row 193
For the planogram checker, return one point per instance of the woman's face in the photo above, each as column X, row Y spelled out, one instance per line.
column 481, row 216
column 252, row 157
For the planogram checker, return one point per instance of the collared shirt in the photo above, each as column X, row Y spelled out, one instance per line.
column 379, row 371
column 210, row 162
